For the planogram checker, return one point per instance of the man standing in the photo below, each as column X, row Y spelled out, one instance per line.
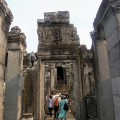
column 56, row 107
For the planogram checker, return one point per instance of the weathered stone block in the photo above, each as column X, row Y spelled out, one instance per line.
column 116, row 68
column 2, row 72
column 13, row 45
column 60, row 16
column 3, row 38
column 2, row 55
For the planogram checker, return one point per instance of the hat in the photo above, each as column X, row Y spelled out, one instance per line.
column 57, row 96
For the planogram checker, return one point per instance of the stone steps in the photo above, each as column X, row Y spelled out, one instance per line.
column 61, row 88
column 69, row 117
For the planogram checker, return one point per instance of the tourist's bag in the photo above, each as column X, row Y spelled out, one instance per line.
column 66, row 107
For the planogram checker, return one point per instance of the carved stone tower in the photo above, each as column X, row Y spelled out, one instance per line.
column 57, row 57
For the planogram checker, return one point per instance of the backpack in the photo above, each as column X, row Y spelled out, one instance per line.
column 56, row 103
column 66, row 107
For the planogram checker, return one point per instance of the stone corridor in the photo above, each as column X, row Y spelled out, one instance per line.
column 88, row 78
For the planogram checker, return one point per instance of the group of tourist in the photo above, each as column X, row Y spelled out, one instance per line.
column 58, row 103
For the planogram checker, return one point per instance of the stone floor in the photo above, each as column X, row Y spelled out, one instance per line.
column 69, row 117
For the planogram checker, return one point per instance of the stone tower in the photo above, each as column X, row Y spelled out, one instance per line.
column 14, row 76
column 57, row 58
column 5, row 21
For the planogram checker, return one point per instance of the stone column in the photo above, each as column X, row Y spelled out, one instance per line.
column 86, row 86
column 16, row 49
column 55, row 76
column 77, row 106
column 105, row 99
column 52, row 74
column 5, row 21
column 41, row 99
column 67, row 66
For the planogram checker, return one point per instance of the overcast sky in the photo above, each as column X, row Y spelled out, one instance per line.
column 26, row 13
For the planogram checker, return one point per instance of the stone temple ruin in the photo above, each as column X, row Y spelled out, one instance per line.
column 60, row 65
column 57, row 56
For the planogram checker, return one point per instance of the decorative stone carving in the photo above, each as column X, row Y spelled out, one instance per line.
column 56, row 34
column 58, row 64
column 16, row 33
column 60, row 16
column 15, row 29
column 69, row 73
column 54, row 30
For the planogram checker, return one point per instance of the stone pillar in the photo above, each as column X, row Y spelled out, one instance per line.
column 41, row 99
column 86, row 80
column 77, row 106
column 52, row 74
column 5, row 21
column 55, row 76
column 16, row 49
column 105, row 99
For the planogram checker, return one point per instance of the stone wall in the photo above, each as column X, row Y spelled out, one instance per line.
column 5, row 21
column 88, row 83
column 14, row 76
column 29, row 99
column 106, row 39
column 51, row 34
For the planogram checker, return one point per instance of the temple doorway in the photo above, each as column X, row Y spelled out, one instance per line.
column 60, row 75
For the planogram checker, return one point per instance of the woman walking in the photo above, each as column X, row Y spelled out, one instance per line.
column 62, row 112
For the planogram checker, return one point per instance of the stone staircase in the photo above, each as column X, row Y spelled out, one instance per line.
column 62, row 88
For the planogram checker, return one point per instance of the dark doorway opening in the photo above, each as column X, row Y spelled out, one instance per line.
column 60, row 74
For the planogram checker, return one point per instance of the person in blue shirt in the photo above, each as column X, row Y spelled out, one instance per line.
column 62, row 112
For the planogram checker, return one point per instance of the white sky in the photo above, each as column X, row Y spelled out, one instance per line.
column 26, row 13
